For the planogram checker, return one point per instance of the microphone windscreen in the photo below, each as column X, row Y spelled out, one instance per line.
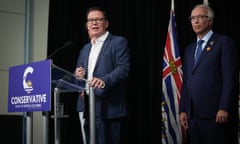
column 68, row 44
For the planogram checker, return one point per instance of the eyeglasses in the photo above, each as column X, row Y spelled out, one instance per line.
column 98, row 20
column 201, row 17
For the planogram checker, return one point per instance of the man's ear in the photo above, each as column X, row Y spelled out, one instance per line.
column 106, row 24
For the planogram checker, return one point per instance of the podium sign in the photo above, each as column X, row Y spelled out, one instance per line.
column 30, row 87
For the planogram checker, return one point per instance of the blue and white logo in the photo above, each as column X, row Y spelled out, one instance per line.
column 27, row 83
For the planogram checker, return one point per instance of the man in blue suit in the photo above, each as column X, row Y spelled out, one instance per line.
column 104, row 62
column 208, row 105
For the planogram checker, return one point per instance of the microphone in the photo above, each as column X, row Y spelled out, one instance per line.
column 67, row 44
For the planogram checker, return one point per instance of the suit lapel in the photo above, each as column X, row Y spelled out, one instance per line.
column 206, row 50
column 103, row 49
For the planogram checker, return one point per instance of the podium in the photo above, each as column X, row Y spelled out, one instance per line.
column 30, row 87
column 64, row 81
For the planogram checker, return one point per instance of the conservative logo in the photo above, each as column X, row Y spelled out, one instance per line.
column 30, row 87
column 27, row 83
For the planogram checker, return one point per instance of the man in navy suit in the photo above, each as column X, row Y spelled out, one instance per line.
column 104, row 62
column 208, row 105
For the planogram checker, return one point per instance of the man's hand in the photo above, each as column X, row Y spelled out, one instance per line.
column 183, row 120
column 222, row 116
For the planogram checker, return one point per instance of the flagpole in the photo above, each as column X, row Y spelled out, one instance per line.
column 205, row 2
column 172, row 5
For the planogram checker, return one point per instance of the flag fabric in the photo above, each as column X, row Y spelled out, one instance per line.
column 171, row 86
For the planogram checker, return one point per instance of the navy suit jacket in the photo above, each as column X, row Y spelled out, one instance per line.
column 209, row 84
column 113, row 68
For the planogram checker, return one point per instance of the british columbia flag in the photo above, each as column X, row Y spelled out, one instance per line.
column 171, row 86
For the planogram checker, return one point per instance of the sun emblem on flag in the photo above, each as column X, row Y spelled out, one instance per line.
column 173, row 66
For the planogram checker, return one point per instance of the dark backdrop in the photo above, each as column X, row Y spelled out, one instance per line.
column 144, row 24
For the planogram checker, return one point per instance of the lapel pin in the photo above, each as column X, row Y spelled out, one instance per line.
column 208, row 49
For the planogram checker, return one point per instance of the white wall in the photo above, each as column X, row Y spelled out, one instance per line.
column 11, row 43
column 12, row 39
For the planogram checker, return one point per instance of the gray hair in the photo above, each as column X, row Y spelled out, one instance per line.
column 209, row 9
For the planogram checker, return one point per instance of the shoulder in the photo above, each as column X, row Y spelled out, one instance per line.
column 222, row 37
column 116, row 37
column 87, row 45
column 85, row 48
column 226, row 43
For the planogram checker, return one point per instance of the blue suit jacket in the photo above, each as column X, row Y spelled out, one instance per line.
column 209, row 85
column 113, row 68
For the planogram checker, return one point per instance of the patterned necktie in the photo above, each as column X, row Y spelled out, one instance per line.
column 199, row 50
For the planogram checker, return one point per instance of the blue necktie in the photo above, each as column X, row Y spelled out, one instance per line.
column 199, row 50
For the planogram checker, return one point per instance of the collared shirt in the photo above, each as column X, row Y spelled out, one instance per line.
column 94, row 53
column 205, row 38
